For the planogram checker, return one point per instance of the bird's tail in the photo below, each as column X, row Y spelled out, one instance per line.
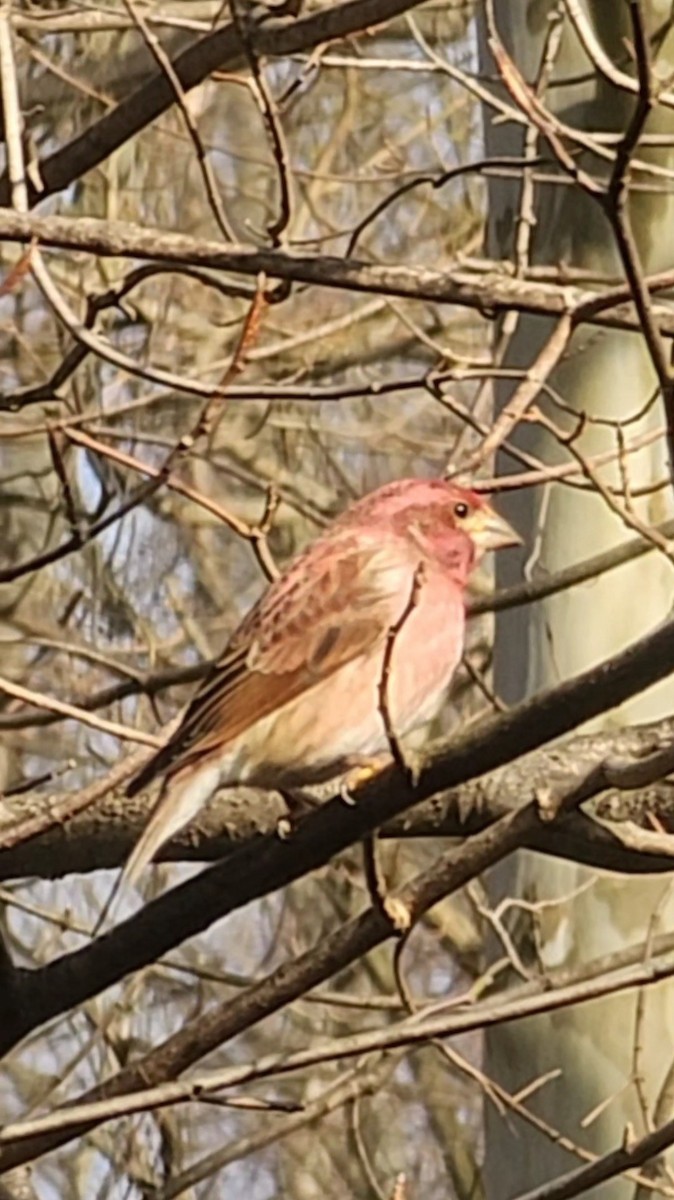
column 179, row 801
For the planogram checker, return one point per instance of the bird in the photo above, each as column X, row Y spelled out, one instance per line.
column 296, row 698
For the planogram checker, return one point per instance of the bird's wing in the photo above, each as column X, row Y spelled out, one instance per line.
column 327, row 610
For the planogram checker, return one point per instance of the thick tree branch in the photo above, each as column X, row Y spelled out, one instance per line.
column 220, row 49
column 294, row 978
column 267, row 864
column 103, row 835
column 489, row 291
column 635, row 966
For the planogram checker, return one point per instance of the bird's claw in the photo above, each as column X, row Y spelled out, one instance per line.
column 345, row 793
column 284, row 828
column 398, row 913
column 357, row 777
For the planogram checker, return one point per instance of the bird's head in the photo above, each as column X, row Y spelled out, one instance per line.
column 448, row 523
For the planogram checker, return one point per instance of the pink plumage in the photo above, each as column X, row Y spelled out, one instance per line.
column 295, row 699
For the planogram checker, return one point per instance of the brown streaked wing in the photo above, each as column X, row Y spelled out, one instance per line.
column 305, row 628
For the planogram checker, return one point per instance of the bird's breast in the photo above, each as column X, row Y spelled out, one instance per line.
column 426, row 652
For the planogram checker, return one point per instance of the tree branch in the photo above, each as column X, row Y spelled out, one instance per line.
column 470, row 286
column 266, row 864
column 634, row 966
column 102, row 835
column 220, row 49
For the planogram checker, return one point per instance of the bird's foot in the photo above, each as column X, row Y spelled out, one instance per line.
column 360, row 775
column 397, row 912
column 284, row 828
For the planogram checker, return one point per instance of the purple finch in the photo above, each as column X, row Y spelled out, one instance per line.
column 297, row 697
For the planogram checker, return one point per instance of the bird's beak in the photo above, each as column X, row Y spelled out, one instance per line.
column 490, row 531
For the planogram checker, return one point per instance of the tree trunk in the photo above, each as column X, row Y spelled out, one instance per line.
column 607, row 376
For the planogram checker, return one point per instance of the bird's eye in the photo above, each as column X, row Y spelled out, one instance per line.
column 461, row 510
